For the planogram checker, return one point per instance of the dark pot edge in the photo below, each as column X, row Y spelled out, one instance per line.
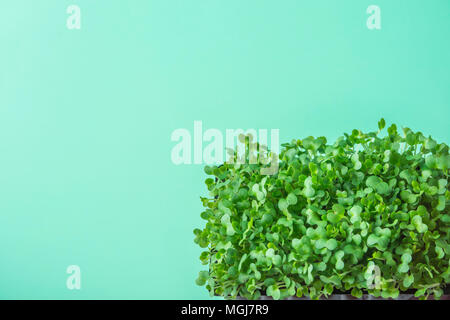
column 410, row 292
column 350, row 297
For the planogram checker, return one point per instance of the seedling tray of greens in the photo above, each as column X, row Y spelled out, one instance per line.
column 368, row 213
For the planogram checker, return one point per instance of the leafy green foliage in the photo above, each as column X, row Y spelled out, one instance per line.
column 331, row 214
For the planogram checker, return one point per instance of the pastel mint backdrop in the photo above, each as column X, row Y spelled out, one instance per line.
column 86, row 116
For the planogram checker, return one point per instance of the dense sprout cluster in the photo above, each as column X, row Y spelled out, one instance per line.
column 368, row 213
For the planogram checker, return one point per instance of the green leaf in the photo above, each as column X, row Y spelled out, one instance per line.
column 309, row 192
column 338, row 209
column 270, row 253
column 373, row 181
column 411, row 139
column 242, row 262
column 355, row 212
column 392, row 130
column 408, row 281
column 442, row 184
column 407, row 196
column 357, row 293
column 339, row 263
column 282, row 204
column 381, row 124
column 291, row 199
column 441, row 203
column 417, row 222
column 202, row 278
column 274, row 292
column 372, row 239
column 331, row 244
column 277, row 260
column 420, row 292
column 296, row 244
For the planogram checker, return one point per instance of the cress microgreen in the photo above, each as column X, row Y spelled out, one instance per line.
column 331, row 214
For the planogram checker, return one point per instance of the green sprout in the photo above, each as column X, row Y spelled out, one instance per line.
column 329, row 216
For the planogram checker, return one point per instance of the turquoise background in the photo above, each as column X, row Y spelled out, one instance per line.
column 86, row 117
